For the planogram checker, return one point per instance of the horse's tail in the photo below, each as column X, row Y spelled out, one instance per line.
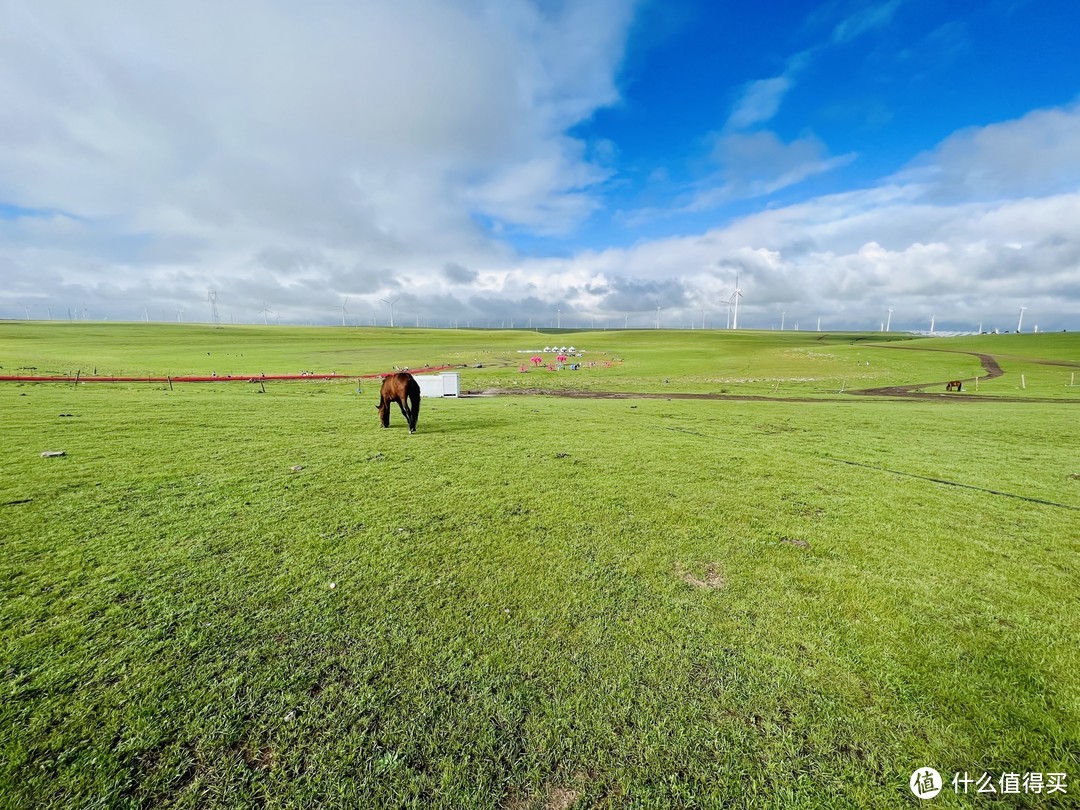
column 412, row 393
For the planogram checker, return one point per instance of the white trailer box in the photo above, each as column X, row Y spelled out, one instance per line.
column 439, row 385
column 451, row 384
column 431, row 385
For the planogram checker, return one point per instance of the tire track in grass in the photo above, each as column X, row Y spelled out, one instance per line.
column 953, row 483
column 902, row 473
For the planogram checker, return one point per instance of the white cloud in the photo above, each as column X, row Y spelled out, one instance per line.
column 366, row 128
column 1033, row 155
column 296, row 156
column 758, row 102
column 876, row 15
column 759, row 163
column 548, row 194
column 752, row 165
column 848, row 257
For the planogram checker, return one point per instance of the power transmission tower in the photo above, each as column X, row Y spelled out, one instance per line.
column 211, row 296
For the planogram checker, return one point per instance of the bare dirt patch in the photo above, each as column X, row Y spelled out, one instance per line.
column 713, row 579
column 553, row 799
column 561, row 799
column 795, row 541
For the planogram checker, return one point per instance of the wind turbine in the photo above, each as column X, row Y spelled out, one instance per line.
column 179, row 316
column 391, row 303
column 344, row 311
column 266, row 311
column 735, row 296
column 932, row 318
column 24, row 306
column 658, row 308
column 819, row 323
column 1019, row 322
column 783, row 315
column 888, row 321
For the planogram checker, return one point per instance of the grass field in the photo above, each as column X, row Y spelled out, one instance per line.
column 226, row 598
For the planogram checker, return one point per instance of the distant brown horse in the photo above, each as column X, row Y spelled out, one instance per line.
column 403, row 389
column 955, row 385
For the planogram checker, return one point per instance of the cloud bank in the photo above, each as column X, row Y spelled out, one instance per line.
column 294, row 158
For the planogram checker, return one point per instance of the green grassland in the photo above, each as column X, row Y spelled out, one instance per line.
column 221, row 597
column 775, row 364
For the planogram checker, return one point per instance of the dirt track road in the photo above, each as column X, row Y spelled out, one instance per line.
column 911, row 392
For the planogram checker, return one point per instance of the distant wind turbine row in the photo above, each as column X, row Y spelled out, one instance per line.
column 732, row 305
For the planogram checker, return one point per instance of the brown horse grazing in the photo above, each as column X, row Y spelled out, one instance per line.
column 955, row 385
column 405, row 391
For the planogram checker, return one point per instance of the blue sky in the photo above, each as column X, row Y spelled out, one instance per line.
column 868, row 85
column 496, row 161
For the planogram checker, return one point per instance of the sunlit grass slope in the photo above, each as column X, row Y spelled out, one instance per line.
column 776, row 364
column 226, row 598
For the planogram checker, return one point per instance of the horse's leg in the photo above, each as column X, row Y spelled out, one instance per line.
column 384, row 412
column 404, row 405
